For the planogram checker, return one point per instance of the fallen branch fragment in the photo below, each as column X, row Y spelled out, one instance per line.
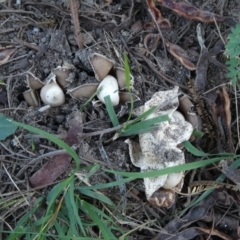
column 74, row 6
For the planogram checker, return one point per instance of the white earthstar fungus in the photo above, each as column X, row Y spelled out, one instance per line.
column 109, row 86
column 158, row 149
column 112, row 79
column 52, row 95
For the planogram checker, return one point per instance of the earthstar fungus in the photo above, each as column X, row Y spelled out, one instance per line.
column 158, row 149
column 51, row 88
column 111, row 78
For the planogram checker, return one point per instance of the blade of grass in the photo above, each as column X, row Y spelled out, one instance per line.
column 111, row 112
column 221, row 178
column 179, row 168
column 128, row 82
column 71, row 215
column 73, row 201
column 144, row 126
column 51, row 138
column 190, row 148
column 108, row 185
column 57, row 189
column 18, row 231
column 107, row 234
column 98, row 196
column 90, row 99
column 199, row 153
column 144, row 115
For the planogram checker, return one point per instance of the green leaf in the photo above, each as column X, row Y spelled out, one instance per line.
column 111, row 111
column 7, row 128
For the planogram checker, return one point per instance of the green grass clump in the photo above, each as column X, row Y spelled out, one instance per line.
column 233, row 53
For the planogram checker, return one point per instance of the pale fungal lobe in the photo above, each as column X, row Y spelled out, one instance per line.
column 109, row 86
column 158, row 149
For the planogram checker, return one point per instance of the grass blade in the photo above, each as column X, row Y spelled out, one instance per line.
column 96, row 195
column 51, row 138
column 74, row 201
column 144, row 115
column 221, row 178
column 107, row 234
column 108, row 185
column 111, row 111
column 179, row 168
column 143, row 126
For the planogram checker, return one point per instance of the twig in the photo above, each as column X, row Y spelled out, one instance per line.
column 35, row 160
column 74, row 6
column 122, row 187
column 159, row 73
column 26, row 44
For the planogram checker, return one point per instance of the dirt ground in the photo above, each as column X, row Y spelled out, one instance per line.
column 42, row 34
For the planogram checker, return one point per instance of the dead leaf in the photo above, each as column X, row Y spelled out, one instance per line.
column 180, row 54
column 74, row 6
column 162, row 23
column 193, row 232
column 151, row 41
column 59, row 163
column 187, row 108
column 196, row 213
column 6, row 53
column 190, row 12
column 221, row 114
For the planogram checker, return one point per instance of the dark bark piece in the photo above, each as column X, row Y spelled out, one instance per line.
column 58, row 164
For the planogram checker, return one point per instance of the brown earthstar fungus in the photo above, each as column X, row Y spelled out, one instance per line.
column 111, row 78
column 158, row 149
